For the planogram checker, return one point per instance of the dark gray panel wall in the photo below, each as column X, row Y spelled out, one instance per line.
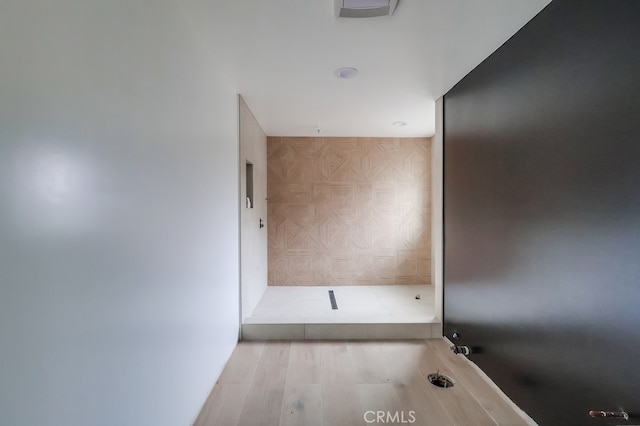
column 542, row 212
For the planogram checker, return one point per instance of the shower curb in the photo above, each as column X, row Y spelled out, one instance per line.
column 341, row 331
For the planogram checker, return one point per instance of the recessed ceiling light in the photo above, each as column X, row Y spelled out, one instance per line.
column 346, row 72
column 399, row 123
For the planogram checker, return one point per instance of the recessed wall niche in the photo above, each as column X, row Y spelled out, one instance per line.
column 249, row 174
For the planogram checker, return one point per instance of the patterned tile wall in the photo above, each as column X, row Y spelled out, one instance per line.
column 349, row 211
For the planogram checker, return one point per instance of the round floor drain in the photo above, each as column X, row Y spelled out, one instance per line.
column 440, row 380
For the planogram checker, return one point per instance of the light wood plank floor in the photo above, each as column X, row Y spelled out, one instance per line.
column 348, row 383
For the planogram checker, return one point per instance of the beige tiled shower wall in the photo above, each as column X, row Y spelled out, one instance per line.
column 349, row 211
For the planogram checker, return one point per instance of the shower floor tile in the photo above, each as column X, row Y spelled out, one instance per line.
column 387, row 304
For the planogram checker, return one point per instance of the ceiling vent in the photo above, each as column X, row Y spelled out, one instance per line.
column 365, row 8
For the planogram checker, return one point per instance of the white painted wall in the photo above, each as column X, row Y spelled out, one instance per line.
column 253, row 239
column 118, row 214
column 437, row 237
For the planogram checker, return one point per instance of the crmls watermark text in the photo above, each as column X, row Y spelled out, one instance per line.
column 390, row 417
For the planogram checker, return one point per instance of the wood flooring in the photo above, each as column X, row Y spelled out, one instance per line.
column 348, row 383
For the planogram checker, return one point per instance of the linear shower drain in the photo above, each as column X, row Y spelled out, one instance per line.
column 332, row 300
column 440, row 380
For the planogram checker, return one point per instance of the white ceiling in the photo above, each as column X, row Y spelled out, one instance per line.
column 281, row 56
